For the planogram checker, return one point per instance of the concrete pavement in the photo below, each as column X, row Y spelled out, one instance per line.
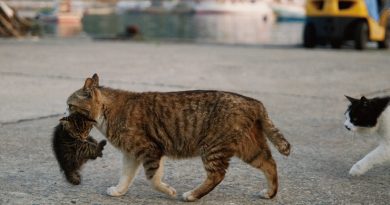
column 302, row 89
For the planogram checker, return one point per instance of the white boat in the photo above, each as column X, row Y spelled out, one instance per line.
column 134, row 5
column 146, row 6
column 232, row 6
column 286, row 10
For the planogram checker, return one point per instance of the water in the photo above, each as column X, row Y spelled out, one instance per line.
column 210, row 28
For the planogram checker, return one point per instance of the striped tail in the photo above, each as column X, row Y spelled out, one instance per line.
column 273, row 134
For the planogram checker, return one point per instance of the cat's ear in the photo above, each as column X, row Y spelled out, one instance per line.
column 88, row 85
column 381, row 103
column 95, row 79
column 351, row 99
column 91, row 82
column 364, row 100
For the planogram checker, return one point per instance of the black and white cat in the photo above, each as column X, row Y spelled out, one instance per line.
column 370, row 116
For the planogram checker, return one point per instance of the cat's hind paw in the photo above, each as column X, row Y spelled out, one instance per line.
column 112, row 191
column 264, row 194
column 188, row 196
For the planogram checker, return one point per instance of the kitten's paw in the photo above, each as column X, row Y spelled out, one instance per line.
column 188, row 196
column 103, row 143
column 357, row 170
column 284, row 148
column 73, row 178
column 112, row 191
column 264, row 194
column 99, row 154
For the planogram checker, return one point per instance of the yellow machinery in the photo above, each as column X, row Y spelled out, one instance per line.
column 336, row 21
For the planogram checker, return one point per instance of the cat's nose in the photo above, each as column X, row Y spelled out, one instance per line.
column 347, row 127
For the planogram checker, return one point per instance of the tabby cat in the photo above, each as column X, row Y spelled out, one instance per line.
column 214, row 125
column 73, row 147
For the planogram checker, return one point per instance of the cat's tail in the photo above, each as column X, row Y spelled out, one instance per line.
column 273, row 134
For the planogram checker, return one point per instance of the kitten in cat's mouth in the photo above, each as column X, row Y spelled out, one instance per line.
column 73, row 146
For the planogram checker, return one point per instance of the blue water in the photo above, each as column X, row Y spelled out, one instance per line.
column 210, row 28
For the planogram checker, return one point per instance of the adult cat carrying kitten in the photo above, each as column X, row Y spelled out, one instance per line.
column 214, row 125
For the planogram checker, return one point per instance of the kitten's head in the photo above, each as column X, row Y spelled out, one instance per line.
column 362, row 114
column 77, row 126
column 87, row 100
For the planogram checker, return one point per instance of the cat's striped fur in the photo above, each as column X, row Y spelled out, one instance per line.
column 73, row 147
column 214, row 125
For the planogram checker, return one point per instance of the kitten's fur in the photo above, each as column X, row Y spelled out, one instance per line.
column 211, row 124
column 370, row 116
column 73, row 147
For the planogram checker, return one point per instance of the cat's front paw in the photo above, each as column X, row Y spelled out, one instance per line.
column 169, row 190
column 357, row 170
column 172, row 192
column 113, row 191
column 189, row 196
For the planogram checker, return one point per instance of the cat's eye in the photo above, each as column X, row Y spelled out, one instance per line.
column 88, row 94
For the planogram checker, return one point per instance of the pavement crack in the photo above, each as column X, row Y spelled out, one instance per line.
column 30, row 119
column 40, row 76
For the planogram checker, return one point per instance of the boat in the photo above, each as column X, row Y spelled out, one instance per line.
column 198, row 7
column 132, row 6
column 231, row 6
column 145, row 6
column 62, row 13
column 288, row 10
column 99, row 8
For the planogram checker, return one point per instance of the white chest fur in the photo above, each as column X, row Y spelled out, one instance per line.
column 101, row 125
column 384, row 124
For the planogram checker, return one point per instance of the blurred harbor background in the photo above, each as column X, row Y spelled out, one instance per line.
column 48, row 48
column 247, row 22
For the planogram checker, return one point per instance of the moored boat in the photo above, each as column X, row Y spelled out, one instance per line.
column 288, row 10
column 62, row 13
column 232, row 6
